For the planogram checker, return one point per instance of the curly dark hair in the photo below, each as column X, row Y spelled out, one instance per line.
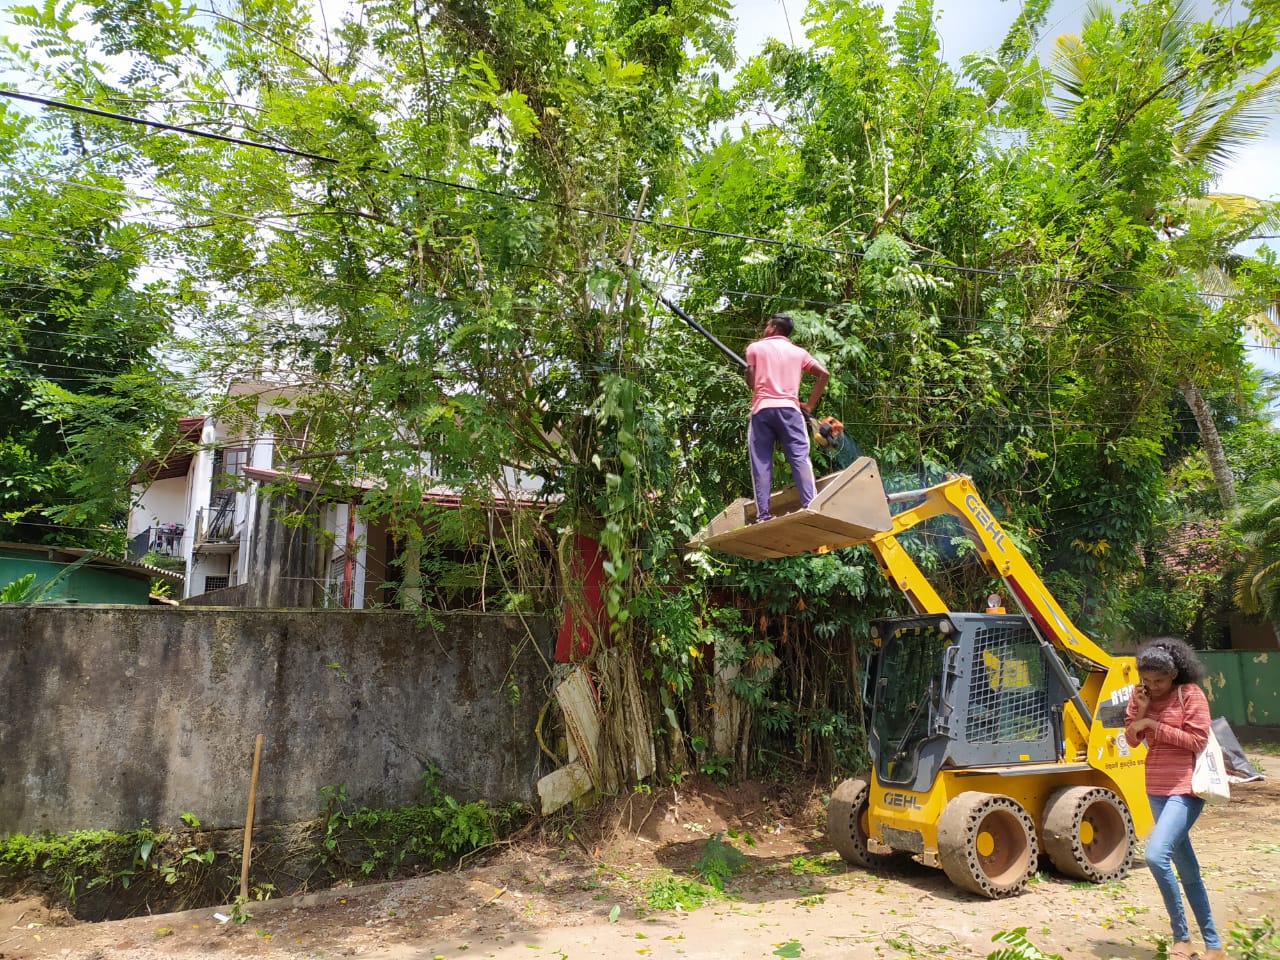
column 1160, row 653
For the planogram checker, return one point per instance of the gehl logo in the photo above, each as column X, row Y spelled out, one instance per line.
column 985, row 520
column 904, row 801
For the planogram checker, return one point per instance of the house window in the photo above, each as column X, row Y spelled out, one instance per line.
column 237, row 458
column 291, row 438
column 228, row 464
column 216, row 583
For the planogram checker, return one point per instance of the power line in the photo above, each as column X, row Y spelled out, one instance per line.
column 33, row 366
column 269, row 222
column 701, row 288
column 642, row 379
column 284, row 222
column 555, row 204
column 1048, row 417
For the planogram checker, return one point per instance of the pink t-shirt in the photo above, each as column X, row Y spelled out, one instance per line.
column 778, row 364
column 1182, row 718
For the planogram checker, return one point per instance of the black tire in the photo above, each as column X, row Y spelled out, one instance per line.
column 1088, row 834
column 847, row 825
column 987, row 844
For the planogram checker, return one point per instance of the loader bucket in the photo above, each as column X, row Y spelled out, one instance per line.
column 850, row 508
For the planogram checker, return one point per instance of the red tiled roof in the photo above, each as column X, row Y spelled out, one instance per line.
column 1192, row 547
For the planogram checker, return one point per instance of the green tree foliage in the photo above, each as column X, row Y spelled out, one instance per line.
column 1194, row 73
column 438, row 225
column 1257, row 586
column 1016, row 295
column 82, row 388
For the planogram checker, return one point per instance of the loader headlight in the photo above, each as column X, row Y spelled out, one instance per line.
column 945, row 627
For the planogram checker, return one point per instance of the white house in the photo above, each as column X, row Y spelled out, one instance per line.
column 200, row 508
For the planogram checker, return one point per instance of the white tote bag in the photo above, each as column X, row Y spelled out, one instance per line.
column 1209, row 778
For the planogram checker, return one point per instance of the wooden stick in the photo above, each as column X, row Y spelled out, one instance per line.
column 248, row 820
column 494, row 897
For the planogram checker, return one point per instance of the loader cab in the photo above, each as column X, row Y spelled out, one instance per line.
column 960, row 690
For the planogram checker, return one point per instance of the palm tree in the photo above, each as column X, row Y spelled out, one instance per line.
column 1211, row 125
column 1257, row 587
column 1219, row 223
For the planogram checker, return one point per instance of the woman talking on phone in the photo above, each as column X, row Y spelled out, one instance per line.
column 1169, row 713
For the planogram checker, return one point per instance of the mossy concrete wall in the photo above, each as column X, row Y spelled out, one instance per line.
column 114, row 714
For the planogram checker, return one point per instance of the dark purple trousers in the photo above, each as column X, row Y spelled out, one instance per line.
column 785, row 427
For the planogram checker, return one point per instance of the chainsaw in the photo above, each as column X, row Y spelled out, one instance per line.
column 828, row 432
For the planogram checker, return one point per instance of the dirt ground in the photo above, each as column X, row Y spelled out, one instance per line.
column 578, row 888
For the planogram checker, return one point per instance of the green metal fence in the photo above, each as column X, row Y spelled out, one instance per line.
column 85, row 585
column 1244, row 686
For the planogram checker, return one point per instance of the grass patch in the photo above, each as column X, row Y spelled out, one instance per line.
column 108, row 874
column 669, row 892
column 167, row 867
column 371, row 841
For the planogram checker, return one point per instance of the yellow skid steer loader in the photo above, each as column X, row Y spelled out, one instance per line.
column 994, row 737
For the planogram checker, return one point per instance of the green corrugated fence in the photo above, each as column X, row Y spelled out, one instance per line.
column 1244, row 686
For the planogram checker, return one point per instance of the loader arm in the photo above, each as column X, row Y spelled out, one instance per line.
column 852, row 509
column 957, row 497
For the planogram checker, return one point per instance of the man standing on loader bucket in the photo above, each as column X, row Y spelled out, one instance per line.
column 774, row 368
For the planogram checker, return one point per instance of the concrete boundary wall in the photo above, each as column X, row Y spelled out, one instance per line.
column 110, row 715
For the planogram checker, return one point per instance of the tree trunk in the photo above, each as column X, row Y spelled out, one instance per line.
column 1212, row 443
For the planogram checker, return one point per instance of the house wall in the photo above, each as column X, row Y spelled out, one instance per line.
column 247, row 502
column 336, row 516
column 164, row 501
column 288, row 561
column 113, row 715
column 199, row 488
column 209, row 565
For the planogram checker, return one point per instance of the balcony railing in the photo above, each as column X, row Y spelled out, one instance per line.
column 216, row 523
column 164, row 545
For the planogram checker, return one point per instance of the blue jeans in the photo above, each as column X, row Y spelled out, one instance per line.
column 785, row 427
column 1169, row 846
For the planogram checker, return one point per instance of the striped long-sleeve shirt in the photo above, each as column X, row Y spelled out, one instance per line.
column 1182, row 728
